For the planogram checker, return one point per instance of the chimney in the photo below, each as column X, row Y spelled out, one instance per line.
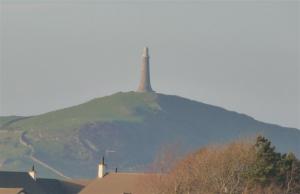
column 32, row 173
column 145, row 85
column 101, row 169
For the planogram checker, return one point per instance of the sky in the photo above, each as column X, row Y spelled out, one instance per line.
column 240, row 55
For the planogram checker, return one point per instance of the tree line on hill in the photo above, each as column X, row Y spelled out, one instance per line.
column 240, row 167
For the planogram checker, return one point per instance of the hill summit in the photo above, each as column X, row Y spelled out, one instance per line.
column 129, row 129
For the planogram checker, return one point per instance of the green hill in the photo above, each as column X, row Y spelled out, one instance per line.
column 128, row 128
column 9, row 119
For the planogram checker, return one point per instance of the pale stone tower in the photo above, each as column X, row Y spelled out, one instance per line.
column 145, row 85
column 101, row 169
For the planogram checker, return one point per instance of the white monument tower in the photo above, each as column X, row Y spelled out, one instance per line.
column 145, row 85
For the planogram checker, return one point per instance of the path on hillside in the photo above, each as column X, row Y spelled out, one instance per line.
column 26, row 143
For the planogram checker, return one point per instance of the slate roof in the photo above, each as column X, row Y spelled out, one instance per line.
column 9, row 179
column 74, row 186
column 14, row 181
column 51, row 186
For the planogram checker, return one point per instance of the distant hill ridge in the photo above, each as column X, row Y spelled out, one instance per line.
column 129, row 129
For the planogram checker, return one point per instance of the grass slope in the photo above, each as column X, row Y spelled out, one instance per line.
column 118, row 107
column 6, row 120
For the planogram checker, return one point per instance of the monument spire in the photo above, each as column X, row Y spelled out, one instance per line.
column 145, row 85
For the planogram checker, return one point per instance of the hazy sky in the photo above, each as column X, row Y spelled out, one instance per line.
column 243, row 56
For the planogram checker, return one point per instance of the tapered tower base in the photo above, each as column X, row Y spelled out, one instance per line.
column 145, row 85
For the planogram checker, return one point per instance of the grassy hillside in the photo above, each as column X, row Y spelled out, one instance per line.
column 129, row 129
column 118, row 107
column 6, row 120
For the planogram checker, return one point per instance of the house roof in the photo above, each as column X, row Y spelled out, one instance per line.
column 9, row 179
column 74, row 186
column 51, row 186
column 112, row 183
column 10, row 190
column 115, row 183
